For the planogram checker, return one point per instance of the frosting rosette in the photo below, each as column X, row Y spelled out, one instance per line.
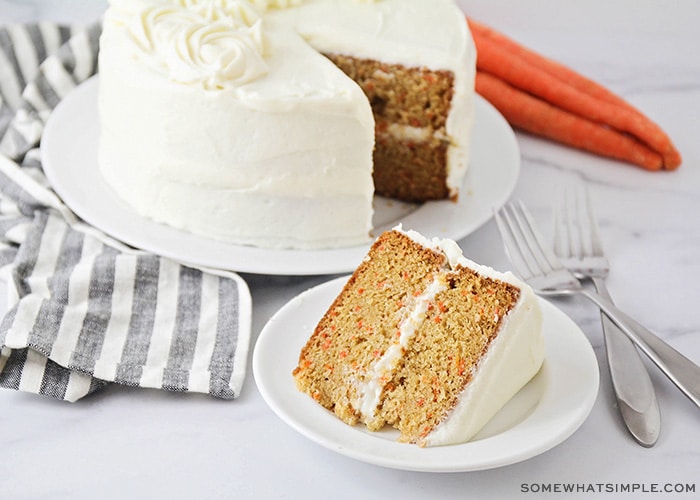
column 216, row 44
column 216, row 55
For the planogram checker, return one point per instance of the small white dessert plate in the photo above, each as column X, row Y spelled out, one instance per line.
column 548, row 410
column 69, row 155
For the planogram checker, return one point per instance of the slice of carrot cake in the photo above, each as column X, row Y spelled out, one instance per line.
column 424, row 340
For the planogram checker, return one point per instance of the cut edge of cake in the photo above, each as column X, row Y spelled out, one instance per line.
column 367, row 357
column 411, row 107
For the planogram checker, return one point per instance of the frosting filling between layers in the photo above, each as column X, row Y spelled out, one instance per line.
column 413, row 318
column 512, row 359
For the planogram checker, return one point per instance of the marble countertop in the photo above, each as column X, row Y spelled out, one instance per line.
column 123, row 443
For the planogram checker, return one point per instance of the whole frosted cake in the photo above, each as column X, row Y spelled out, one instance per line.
column 424, row 340
column 272, row 123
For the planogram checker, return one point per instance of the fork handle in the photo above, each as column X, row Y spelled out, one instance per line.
column 633, row 388
column 680, row 370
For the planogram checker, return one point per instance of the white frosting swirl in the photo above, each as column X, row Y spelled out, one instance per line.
column 216, row 56
column 215, row 44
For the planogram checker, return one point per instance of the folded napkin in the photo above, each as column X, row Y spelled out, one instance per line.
column 543, row 97
column 86, row 310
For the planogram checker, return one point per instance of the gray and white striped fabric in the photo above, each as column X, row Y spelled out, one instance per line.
column 85, row 310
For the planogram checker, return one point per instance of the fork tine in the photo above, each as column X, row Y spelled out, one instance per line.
column 583, row 229
column 593, row 235
column 569, row 235
column 530, row 257
column 576, row 224
column 523, row 239
column 514, row 250
column 575, row 232
column 546, row 259
column 524, row 243
column 578, row 221
column 562, row 238
column 577, row 240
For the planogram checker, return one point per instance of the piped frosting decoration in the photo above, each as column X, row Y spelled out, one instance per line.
column 215, row 44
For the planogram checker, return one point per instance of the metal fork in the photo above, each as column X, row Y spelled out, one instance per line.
column 577, row 243
column 542, row 270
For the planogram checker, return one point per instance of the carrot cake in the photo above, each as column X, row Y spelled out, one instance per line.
column 272, row 122
column 424, row 340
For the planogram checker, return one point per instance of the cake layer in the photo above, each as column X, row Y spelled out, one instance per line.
column 411, row 169
column 411, row 107
column 408, row 96
column 361, row 325
column 424, row 340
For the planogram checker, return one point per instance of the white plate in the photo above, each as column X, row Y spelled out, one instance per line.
column 69, row 155
column 543, row 414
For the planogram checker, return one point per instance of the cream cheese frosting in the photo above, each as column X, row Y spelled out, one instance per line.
column 371, row 388
column 221, row 117
column 513, row 358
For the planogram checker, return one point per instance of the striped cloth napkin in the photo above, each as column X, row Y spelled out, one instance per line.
column 85, row 310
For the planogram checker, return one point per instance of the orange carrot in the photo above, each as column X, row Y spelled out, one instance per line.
column 536, row 116
column 497, row 61
column 481, row 31
column 566, row 89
